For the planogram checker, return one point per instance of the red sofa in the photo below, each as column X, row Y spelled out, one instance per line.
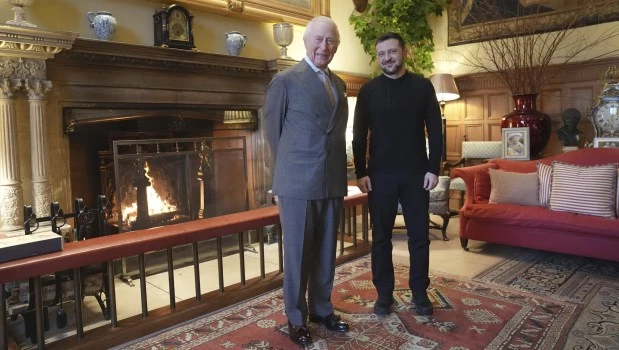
column 534, row 226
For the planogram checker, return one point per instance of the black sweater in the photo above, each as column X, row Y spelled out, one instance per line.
column 397, row 112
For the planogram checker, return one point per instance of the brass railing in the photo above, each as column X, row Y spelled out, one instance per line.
column 76, row 255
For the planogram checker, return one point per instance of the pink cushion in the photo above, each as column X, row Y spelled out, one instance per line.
column 514, row 188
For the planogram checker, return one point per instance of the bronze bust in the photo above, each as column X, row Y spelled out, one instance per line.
column 568, row 134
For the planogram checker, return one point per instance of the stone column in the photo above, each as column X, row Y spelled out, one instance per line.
column 39, row 155
column 11, row 193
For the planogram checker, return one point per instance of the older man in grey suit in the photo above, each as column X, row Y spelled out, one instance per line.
column 306, row 115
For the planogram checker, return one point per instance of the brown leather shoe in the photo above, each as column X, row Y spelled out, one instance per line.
column 300, row 335
column 332, row 322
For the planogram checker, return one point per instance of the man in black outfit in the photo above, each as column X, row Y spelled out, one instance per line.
column 397, row 108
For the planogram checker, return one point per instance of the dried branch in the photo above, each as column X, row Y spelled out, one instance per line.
column 527, row 62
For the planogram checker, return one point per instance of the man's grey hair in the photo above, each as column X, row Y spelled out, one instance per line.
column 320, row 19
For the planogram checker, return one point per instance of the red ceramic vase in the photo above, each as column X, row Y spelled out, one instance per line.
column 526, row 115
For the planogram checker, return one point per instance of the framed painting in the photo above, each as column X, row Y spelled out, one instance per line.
column 516, row 143
column 293, row 11
column 606, row 142
column 503, row 18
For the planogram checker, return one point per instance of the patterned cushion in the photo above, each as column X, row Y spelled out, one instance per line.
column 481, row 187
column 457, row 184
column 513, row 188
column 544, row 173
column 441, row 191
column 589, row 190
column 481, row 149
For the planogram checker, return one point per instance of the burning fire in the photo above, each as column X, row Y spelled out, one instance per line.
column 156, row 204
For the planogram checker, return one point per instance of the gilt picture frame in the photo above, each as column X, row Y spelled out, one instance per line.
column 606, row 142
column 516, row 143
column 463, row 28
column 292, row 11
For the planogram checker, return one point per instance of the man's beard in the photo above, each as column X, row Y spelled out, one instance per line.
column 393, row 70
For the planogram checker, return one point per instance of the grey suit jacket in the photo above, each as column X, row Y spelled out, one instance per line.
column 307, row 135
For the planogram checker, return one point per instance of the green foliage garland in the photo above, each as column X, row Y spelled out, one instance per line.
column 406, row 17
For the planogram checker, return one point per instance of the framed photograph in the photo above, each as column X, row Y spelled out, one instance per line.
column 294, row 11
column 606, row 142
column 466, row 15
column 516, row 144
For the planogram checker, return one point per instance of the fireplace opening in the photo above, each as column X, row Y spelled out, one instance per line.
column 161, row 196
column 170, row 164
column 92, row 132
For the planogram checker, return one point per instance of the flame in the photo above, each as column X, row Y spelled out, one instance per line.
column 156, row 204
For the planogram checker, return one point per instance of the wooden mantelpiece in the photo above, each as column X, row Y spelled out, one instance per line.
column 130, row 55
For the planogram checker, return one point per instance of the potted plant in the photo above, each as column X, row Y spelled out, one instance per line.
column 406, row 17
column 527, row 58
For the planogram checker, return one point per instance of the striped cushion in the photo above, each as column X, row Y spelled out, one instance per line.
column 544, row 173
column 584, row 190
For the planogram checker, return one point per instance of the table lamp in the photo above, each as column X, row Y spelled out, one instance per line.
column 446, row 90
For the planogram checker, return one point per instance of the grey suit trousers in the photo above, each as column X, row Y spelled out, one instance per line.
column 309, row 236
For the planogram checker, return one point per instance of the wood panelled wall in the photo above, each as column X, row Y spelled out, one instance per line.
column 484, row 99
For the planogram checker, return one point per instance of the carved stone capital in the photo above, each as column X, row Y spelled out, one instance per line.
column 29, row 42
column 19, row 68
column 236, row 6
column 8, row 87
column 37, row 89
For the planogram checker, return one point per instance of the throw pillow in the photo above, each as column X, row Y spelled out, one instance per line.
column 481, row 187
column 617, row 190
column 589, row 190
column 544, row 173
column 514, row 188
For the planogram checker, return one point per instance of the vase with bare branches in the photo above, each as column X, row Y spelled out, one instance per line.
column 526, row 55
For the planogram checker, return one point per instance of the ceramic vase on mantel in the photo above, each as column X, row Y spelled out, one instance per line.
column 525, row 114
column 103, row 23
column 235, row 42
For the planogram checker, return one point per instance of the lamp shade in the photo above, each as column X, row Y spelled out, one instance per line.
column 445, row 87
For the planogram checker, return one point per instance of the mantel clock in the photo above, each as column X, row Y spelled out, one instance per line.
column 173, row 28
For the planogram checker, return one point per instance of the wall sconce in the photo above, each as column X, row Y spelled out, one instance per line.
column 446, row 90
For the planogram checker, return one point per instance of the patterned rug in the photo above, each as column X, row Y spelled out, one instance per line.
column 591, row 284
column 468, row 315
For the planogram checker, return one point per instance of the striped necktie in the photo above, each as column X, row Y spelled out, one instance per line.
column 326, row 81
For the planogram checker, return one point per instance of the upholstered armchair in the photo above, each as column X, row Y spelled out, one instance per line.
column 439, row 205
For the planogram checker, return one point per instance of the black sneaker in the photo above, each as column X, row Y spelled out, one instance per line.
column 383, row 303
column 423, row 305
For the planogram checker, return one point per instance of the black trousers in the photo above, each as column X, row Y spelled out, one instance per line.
column 387, row 190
